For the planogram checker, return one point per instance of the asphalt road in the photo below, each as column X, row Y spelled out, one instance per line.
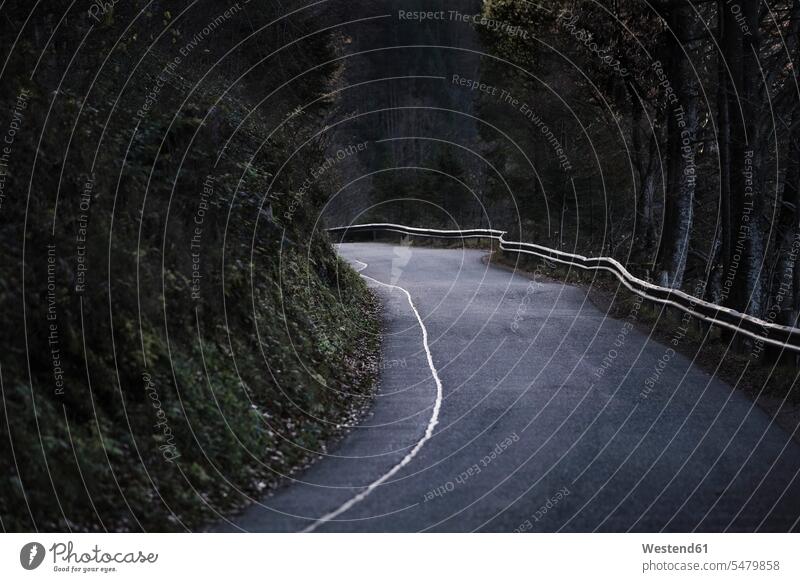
column 549, row 416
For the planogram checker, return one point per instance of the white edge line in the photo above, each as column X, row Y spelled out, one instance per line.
column 434, row 420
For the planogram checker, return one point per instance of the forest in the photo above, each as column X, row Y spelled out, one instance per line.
column 146, row 385
column 168, row 169
column 664, row 134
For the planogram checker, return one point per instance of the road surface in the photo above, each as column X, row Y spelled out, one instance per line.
column 512, row 405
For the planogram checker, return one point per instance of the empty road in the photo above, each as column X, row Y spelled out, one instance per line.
column 512, row 405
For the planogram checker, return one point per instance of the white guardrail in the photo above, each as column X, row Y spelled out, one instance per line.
column 770, row 333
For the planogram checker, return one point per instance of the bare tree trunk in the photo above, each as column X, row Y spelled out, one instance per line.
column 722, row 242
column 732, row 128
column 682, row 126
column 755, row 157
column 649, row 188
column 646, row 161
column 784, row 279
column 790, row 203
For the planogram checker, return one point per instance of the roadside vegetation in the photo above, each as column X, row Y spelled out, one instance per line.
column 178, row 333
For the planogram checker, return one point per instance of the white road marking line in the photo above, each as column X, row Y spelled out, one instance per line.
column 434, row 420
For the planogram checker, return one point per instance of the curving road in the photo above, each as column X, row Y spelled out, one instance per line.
column 512, row 405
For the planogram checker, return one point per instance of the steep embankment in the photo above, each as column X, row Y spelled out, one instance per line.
column 175, row 337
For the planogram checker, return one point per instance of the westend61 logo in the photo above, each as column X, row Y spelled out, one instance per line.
column 66, row 559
